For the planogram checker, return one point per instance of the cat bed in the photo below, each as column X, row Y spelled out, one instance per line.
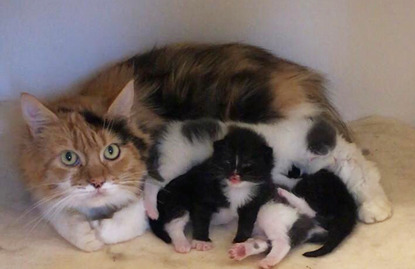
column 28, row 242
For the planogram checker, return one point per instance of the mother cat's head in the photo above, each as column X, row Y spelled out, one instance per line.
column 80, row 152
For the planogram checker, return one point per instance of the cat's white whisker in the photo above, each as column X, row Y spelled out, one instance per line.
column 39, row 204
column 46, row 213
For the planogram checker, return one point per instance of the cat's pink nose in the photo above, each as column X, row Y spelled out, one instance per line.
column 97, row 182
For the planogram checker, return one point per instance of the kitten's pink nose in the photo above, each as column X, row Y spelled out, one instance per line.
column 97, row 182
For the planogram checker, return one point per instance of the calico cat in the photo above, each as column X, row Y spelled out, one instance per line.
column 242, row 83
column 229, row 82
column 84, row 168
column 236, row 178
column 321, row 200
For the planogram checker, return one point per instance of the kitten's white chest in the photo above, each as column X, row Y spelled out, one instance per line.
column 240, row 194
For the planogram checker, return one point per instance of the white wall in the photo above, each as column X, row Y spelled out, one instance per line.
column 365, row 47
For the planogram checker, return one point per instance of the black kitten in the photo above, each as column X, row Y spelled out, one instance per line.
column 236, row 179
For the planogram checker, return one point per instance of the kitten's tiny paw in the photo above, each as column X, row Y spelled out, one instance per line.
column 237, row 252
column 375, row 210
column 282, row 192
column 87, row 239
column 152, row 214
column 151, row 211
column 202, row 245
column 267, row 263
column 182, row 247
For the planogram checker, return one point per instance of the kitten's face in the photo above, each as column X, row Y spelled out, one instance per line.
column 243, row 156
column 77, row 159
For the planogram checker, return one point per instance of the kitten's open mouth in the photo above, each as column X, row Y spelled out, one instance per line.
column 235, row 179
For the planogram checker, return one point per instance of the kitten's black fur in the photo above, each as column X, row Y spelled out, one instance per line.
column 201, row 191
column 335, row 207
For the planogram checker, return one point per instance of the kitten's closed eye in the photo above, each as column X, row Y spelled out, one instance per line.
column 247, row 165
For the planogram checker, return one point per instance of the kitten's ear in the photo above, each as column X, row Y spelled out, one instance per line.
column 121, row 106
column 35, row 113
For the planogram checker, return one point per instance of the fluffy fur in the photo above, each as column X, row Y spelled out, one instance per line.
column 93, row 189
column 237, row 178
column 231, row 82
column 237, row 82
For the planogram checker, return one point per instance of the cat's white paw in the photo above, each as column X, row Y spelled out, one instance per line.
column 85, row 238
column 109, row 231
column 375, row 210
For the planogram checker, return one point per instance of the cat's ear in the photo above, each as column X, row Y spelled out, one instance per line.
column 36, row 115
column 121, row 106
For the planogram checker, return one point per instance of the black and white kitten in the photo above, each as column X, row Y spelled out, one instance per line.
column 335, row 207
column 320, row 200
column 236, row 179
column 178, row 147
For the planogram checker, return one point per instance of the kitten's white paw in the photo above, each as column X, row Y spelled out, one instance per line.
column 238, row 252
column 267, row 263
column 202, row 245
column 375, row 210
column 151, row 211
column 282, row 192
column 85, row 238
column 182, row 246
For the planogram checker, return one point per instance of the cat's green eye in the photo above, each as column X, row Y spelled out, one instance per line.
column 69, row 158
column 112, row 152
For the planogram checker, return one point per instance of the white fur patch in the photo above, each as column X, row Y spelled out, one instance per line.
column 175, row 229
column 276, row 219
column 178, row 154
column 75, row 228
column 239, row 194
column 126, row 224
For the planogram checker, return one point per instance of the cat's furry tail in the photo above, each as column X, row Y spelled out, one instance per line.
column 158, row 229
column 341, row 228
